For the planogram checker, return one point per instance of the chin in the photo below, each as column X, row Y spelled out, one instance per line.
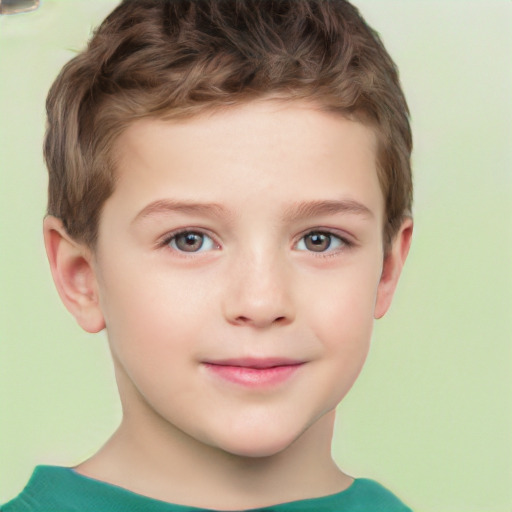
column 258, row 443
column 255, row 449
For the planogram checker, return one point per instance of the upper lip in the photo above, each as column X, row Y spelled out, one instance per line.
column 256, row 362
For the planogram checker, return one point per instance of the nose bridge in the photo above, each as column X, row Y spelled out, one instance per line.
column 260, row 289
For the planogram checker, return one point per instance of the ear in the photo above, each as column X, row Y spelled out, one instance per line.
column 392, row 268
column 73, row 274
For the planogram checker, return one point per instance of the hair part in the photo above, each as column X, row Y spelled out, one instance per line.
column 171, row 59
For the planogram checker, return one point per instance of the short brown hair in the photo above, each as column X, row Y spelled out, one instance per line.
column 178, row 58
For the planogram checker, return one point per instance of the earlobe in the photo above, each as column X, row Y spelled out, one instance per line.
column 73, row 274
column 392, row 268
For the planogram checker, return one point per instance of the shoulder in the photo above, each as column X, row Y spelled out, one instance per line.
column 364, row 495
column 60, row 489
column 368, row 494
column 44, row 491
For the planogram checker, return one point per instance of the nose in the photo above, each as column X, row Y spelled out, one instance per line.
column 259, row 293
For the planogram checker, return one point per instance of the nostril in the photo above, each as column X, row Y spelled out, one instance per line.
column 248, row 320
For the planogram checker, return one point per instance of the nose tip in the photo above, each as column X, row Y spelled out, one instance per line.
column 259, row 297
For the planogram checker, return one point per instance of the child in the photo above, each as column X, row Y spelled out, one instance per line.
column 230, row 198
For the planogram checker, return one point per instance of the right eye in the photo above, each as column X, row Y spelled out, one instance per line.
column 191, row 241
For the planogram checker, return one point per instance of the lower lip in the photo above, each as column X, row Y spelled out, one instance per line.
column 254, row 377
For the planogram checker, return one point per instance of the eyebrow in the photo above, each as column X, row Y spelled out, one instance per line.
column 166, row 206
column 307, row 209
column 296, row 211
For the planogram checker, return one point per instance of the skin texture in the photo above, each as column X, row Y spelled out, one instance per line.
column 258, row 287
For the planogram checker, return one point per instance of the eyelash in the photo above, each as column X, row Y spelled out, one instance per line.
column 166, row 242
column 345, row 244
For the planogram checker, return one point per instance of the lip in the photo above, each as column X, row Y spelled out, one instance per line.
column 254, row 372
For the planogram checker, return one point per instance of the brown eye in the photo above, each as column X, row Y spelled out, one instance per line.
column 191, row 241
column 317, row 242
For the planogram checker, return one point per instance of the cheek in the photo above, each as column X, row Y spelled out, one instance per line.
column 134, row 306
column 140, row 294
column 151, row 317
column 343, row 325
column 148, row 335
column 342, row 316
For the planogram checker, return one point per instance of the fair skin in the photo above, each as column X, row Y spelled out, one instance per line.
column 238, row 271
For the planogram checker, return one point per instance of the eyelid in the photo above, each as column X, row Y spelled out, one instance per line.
column 347, row 241
column 165, row 240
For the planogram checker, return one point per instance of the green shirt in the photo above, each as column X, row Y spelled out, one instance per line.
column 59, row 489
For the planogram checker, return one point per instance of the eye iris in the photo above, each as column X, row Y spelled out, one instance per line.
column 189, row 242
column 318, row 242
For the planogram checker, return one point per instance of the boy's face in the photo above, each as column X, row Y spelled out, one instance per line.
column 234, row 243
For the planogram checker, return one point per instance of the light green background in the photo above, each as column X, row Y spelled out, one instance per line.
column 431, row 416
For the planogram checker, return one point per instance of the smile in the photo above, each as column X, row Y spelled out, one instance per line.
column 254, row 372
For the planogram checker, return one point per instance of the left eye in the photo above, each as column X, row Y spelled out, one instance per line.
column 318, row 241
column 191, row 241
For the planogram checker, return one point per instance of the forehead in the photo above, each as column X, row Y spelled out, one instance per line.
column 274, row 149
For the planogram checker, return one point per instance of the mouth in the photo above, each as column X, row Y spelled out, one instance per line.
column 254, row 372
